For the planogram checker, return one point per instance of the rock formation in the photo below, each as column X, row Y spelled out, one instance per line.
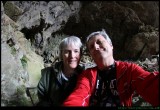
column 32, row 30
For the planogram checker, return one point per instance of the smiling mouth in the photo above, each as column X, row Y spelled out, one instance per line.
column 72, row 61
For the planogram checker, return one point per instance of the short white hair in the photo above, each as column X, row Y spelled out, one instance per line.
column 102, row 33
column 71, row 40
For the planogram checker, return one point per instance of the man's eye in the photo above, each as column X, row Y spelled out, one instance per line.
column 99, row 42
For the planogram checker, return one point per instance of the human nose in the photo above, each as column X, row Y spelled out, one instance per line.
column 72, row 54
column 96, row 46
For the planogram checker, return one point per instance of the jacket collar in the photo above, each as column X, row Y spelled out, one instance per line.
column 57, row 67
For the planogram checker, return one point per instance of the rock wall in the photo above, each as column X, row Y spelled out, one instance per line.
column 32, row 30
column 124, row 21
column 21, row 66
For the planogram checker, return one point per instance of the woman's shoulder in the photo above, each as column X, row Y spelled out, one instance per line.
column 51, row 69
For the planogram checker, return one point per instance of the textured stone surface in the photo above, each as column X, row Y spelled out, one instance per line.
column 32, row 30
column 16, row 72
column 121, row 20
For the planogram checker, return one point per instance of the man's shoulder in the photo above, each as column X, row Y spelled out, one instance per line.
column 122, row 66
column 124, row 63
column 90, row 70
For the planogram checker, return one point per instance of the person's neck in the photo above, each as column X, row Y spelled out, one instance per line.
column 105, row 64
column 68, row 72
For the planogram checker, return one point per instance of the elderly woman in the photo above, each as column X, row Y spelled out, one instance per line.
column 58, row 81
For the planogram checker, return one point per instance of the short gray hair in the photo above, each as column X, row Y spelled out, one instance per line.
column 102, row 33
column 76, row 41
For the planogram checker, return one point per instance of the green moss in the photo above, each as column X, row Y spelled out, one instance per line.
column 24, row 61
column 21, row 90
column 23, row 101
column 20, row 98
column 34, row 95
column 13, row 51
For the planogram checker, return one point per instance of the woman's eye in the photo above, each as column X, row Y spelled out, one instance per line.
column 91, row 46
column 66, row 51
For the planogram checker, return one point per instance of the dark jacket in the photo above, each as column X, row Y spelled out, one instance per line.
column 50, row 91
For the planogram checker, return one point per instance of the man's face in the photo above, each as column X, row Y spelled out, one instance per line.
column 99, row 49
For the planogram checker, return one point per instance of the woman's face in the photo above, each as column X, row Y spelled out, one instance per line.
column 71, row 56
